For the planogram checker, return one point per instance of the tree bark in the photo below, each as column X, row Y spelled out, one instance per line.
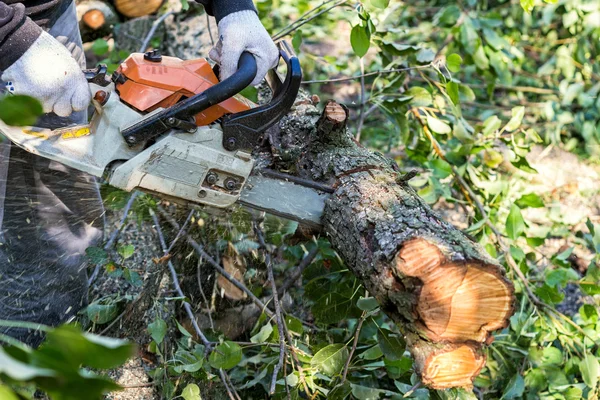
column 444, row 292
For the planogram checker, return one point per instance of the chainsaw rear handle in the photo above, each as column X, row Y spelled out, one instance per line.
column 182, row 113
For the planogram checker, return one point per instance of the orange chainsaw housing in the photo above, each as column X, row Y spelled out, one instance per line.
column 150, row 85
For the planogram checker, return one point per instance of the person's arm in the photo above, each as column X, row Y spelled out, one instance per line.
column 17, row 33
column 222, row 8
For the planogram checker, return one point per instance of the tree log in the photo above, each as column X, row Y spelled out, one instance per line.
column 137, row 8
column 443, row 290
column 96, row 19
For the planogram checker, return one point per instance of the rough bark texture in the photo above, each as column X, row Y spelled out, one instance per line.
column 446, row 294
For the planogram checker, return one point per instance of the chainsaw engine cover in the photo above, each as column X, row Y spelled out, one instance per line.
column 149, row 82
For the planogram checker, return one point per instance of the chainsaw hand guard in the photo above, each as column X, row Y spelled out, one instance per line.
column 242, row 130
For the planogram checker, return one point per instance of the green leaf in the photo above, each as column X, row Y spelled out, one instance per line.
column 420, row 97
column 225, row 356
column 382, row 4
column 340, row 392
column 264, row 334
column 441, row 169
column 480, row 59
column 372, row 354
column 491, row 125
column 331, row 359
column 77, row 348
column 527, row 5
column 20, row 371
column 100, row 47
column 453, row 62
column 588, row 313
column 126, row 251
column 367, row 303
column 297, row 40
column 590, row 370
column 515, row 388
column 360, row 39
column 191, row 392
column 18, row 110
column 102, row 313
column 517, row 117
column 549, row 294
column 453, row 92
column 392, row 344
column 158, row 330
column 7, row 394
column 515, row 225
column 185, row 5
column 531, row 200
column 438, row 126
column 97, row 255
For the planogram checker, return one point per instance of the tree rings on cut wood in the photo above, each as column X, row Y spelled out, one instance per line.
column 452, row 367
column 95, row 19
column 137, row 8
column 459, row 301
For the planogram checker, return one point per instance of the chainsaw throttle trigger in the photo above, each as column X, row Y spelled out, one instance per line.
column 242, row 131
column 160, row 122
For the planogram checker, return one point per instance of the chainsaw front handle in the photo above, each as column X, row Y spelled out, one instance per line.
column 242, row 131
column 182, row 113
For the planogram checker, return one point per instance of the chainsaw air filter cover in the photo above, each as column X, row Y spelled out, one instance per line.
column 147, row 82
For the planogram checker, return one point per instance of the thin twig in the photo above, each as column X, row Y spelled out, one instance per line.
column 224, row 380
column 361, row 121
column 208, row 26
column 183, row 227
column 379, row 72
column 354, row 345
column 152, row 31
column 115, row 234
column 278, row 317
column 186, row 305
column 304, row 20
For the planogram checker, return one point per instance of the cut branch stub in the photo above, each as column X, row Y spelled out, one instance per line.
column 458, row 301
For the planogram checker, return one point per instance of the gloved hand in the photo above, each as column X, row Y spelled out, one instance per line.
column 239, row 32
column 48, row 72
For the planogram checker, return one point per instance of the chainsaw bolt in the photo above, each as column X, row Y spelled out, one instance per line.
column 130, row 140
column 101, row 97
column 202, row 194
column 212, row 178
column 231, row 142
column 231, row 184
column 171, row 121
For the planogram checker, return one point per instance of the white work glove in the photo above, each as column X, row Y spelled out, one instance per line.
column 242, row 31
column 48, row 72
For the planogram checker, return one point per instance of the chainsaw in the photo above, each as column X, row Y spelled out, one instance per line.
column 169, row 127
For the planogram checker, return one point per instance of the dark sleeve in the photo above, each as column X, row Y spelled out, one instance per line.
column 17, row 33
column 222, row 8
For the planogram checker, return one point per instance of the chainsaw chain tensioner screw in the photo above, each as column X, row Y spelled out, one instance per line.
column 202, row 194
column 212, row 178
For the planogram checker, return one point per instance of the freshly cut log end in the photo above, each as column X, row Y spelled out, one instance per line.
column 458, row 301
column 456, row 367
column 137, row 8
column 94, row 19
